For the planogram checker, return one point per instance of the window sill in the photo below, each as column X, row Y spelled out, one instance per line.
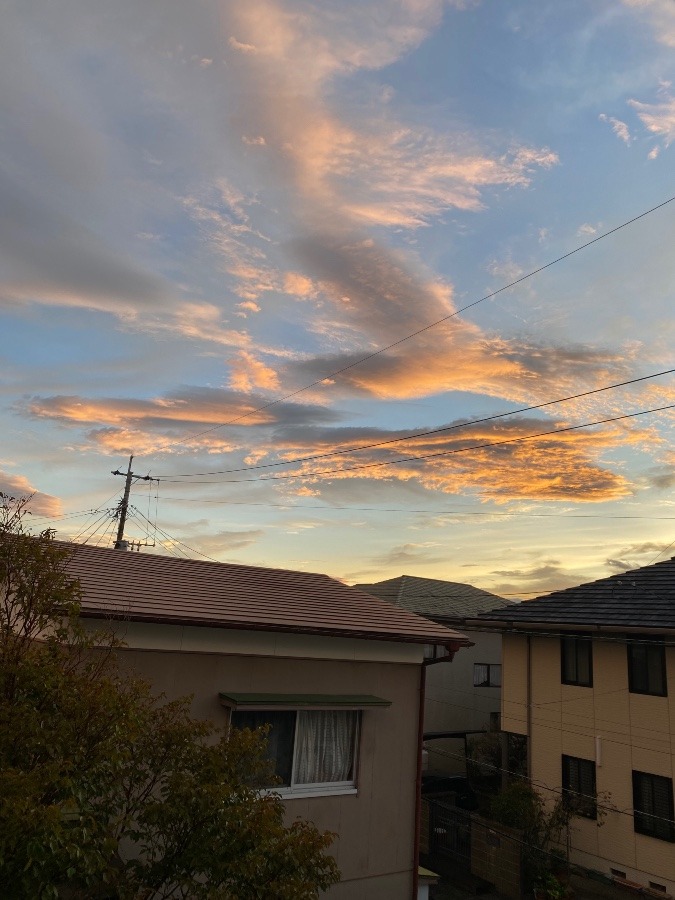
column 306, row 792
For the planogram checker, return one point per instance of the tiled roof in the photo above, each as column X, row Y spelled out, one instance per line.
column 640, row 598
column 146, row 587
column 435, row 598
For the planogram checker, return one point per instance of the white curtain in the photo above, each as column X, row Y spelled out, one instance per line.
column 480, row 675
column 324, row 747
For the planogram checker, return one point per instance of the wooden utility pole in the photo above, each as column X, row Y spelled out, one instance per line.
column 123, row 506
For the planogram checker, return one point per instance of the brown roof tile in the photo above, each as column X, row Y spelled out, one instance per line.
column 152, row 588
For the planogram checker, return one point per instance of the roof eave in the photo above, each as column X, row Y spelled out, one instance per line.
column 613, row 627
column 453, row 642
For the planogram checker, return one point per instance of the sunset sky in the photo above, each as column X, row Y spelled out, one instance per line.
column 209, row 208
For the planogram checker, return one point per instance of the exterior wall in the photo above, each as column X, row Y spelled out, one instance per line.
column 375, row 827
column 606, row 723
column 452, row 703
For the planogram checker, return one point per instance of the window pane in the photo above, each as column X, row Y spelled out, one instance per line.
column 653, row 805
column 325, row 746
column 579, row 789
column 480, row 675
column 655, row 670
column 583, row 662
column 279, row 739
column 569, row 660
column 496, row 676
column 646, row 669
column 638, row 660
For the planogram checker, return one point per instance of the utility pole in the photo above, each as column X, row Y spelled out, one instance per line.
column 121, row 512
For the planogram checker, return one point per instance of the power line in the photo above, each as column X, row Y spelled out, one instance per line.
column 440, row 453
column 546, row 787
column 412, row 510
column 175, row 539
column 410, row 437
column 419, row 331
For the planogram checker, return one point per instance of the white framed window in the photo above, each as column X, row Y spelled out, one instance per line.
column 314, row 751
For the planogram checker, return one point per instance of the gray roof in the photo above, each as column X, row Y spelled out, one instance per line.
column 638, row 599
column 435, row 598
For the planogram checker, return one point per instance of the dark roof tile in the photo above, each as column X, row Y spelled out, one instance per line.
column 639, row 598
column 435, row 598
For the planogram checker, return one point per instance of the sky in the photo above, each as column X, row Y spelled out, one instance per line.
column 254, row 239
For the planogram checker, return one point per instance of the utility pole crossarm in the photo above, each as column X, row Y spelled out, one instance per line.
column 123, row 505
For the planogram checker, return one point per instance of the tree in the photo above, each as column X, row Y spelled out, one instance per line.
column 107, row 791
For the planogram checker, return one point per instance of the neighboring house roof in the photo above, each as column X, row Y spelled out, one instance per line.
column 145, row 587
column 638, row 599
column 435, row 598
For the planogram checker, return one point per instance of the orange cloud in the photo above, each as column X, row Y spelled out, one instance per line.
column 562, row 467
column 371, row 171
column 188, row 420
column 40, row 504
column 248, row 373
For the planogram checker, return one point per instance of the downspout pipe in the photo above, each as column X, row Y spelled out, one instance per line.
column 529, row 707
column 452, row 648
column 418, row 783
column 420, row 744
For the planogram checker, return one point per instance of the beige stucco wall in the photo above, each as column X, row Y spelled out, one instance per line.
column 375, row 827
column 453, row 704
column 633, row 732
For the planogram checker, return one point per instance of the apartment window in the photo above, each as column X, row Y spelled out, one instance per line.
column 579, row 791
column 653, row 806
column 314, row 751
column 576, row 657
column 487, row 675
column 647, row 667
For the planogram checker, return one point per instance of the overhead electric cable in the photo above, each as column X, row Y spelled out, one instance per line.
column 175, row 539
column 391, row 462
column 89, row 525
column 410, row 437
column 419, row 331
column 432, row 512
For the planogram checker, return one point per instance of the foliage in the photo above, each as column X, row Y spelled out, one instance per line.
column 542, row 826
column 547, row 885
column 109, row 792
column 484, row 762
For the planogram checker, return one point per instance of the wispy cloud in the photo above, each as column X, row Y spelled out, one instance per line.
column 117, row 425
column 620, row 129
column 19, row 486
column 660, row 14
column 658, row 118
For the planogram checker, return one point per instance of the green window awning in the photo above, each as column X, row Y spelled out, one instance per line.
column 301, row 701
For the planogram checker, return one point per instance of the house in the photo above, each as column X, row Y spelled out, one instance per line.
column 327, row 667
column 462, row 697
column 589, row 679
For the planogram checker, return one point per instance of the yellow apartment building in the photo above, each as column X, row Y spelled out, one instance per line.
column 589, row 678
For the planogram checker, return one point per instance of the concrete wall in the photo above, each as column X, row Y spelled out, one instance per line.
column 375, row 827
column 454, row 704
column 633, row 732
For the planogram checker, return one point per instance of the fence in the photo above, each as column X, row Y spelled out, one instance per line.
column 455, row 841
